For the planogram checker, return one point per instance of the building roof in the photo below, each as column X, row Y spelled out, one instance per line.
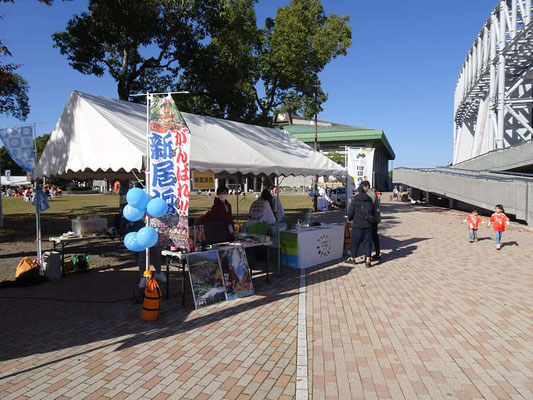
column 339, row 133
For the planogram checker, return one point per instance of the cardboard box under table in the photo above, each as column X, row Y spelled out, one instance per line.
column 311, row 246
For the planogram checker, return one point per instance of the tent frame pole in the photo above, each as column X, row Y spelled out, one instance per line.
column 37, row 211
column 1, row 200
column 147, row 170
column 277, row 223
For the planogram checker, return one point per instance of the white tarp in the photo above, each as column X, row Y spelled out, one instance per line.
column 101, row 137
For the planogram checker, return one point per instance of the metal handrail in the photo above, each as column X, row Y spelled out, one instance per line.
column 485, row 174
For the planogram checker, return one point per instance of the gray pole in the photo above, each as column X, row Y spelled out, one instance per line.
column 147, row 166
column 315, row 200
column 1, row 200
column 277, row 222
column 37, row 211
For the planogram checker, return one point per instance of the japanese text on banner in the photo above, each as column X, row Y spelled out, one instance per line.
column 169, row 145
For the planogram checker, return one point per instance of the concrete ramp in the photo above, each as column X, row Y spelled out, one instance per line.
column 482, row 189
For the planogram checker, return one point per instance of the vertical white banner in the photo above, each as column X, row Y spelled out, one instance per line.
column 360, row 168
column 169, row 151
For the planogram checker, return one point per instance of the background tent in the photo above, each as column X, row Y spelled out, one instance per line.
column 98, row 137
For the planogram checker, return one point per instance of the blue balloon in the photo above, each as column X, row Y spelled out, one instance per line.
column 157, row 207
column 131, row 243
column 132, row 213
column 141, row 205
column 137, row 198
column 147, row 236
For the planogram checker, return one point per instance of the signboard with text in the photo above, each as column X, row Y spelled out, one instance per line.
column 360, row 168
column 203, row 180
column 169, row 152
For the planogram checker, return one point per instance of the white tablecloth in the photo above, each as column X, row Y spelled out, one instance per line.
column 312, row 246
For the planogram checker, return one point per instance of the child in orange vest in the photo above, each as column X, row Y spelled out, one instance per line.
column 473, row 223
column 498, row 220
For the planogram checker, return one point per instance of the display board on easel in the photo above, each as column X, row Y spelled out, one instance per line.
column 219, row 275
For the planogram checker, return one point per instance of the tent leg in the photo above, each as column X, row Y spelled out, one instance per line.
column 277, row 222
column 38, row 222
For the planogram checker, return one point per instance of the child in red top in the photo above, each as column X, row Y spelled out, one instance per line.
column 498, row 220
column 473, row 223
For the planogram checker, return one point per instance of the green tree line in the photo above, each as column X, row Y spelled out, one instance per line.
column 232, row 67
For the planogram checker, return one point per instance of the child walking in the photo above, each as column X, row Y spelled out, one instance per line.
column 473, row 223
column 498, row 220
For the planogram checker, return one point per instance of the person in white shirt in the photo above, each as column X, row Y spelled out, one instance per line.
column 277, row 207
column 261, row 210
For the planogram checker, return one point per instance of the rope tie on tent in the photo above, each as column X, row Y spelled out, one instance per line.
column 138, row 180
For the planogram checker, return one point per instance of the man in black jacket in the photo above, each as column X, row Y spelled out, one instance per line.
column 362, row 212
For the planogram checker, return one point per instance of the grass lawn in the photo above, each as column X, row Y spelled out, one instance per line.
column 19, row 216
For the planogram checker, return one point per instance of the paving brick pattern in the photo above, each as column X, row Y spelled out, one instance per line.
column 241, row 349
column 438, row 317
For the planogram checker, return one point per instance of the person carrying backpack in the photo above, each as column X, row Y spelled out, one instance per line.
column 362, row 213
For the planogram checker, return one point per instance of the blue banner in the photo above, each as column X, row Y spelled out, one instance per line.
column 19, row 145
column 40, row 201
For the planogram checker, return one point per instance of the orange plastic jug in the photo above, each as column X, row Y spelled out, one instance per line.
column 347, row 236
column 152, row 299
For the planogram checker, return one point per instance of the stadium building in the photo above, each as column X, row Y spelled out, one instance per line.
column 493, row 122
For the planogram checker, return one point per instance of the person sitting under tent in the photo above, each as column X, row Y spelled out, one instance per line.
column 221, row 211
column 261, row 212
column 277, row 207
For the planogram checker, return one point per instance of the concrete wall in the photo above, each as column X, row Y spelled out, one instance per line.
column 515, row 194
column 517, row 157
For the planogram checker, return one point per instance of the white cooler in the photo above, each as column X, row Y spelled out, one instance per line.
column 52, row 264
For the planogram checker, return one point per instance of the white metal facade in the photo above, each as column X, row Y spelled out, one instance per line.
column 493, row 96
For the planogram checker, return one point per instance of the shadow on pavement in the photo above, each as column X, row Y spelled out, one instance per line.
column 36, row 324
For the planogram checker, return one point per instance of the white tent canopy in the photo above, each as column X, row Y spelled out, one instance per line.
column 99, row 137
column 15, row 181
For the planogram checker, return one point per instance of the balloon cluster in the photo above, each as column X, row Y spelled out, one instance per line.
column 138, row 204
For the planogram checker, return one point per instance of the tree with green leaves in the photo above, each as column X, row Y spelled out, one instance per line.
column 295, row 47
column 142, row 44
column 213, row 49
column 336, row 157
column 222, row 72
column 247, row 73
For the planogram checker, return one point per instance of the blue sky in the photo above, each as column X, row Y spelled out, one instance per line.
column 399, row 75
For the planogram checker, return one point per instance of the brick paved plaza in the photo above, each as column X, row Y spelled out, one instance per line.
column 438, row 317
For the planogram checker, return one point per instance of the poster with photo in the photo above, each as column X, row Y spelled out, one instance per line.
column 236, row 272
column 206, row 278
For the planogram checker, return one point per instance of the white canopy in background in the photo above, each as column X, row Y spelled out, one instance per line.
column 98, row 137
column 15, row 181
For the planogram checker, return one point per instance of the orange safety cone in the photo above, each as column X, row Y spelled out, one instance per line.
column 152, row 298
